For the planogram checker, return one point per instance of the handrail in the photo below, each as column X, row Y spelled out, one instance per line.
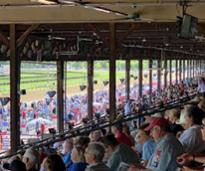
column 89, row 128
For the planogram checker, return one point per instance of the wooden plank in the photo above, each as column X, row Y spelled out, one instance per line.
column 14, row 91
column 90, row 88
column 23, row 37
column 60, row 95
column 112, row 72
column 127, row 80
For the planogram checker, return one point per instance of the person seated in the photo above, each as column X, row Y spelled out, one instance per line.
column 148, row 145
column 118, row 153
column 126, row 131
column 30, row 158
column 66, row 152
column 119, row 135
column 186, row 158
column 16, row 165
column 191, row 138
column 168, row 148
column 53, row 163
column 78, row 159
column 94, row 155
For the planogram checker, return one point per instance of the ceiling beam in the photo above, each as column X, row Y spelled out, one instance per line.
column 23, row 37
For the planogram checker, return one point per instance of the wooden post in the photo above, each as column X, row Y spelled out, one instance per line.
column 159, row 74
column 150, row 79
column 14, row 91
column 180, row 70
column 90, row 89
column 176, row 71
column 112, row 72
column 184, row 69
column 140, row 76
column 165, row 73
column 127, row 80
column 170, row 71
column 60, row 95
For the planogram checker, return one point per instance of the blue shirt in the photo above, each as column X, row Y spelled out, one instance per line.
column 67, row 159
column 148, row 149
column 168, row 148
column 77, row 167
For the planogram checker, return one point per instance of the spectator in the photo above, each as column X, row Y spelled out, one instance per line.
column 118, row 153
column 16, row 165
column 66, row 152
column 78, row 159
column 126, row 131
column 187, row 158
column 148, row 147
column 191, row 138
column 119, row 135
column 30, row 158
column 53, row 163
column 94, row 155
column 167, row 147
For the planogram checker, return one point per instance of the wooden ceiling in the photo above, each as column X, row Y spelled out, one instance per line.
column 145, row 38
column 27, row 11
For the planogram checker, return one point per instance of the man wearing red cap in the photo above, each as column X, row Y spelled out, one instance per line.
column 168, row 148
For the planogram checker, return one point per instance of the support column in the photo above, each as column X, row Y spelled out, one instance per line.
column 140, row 76
column 193, row 64
column 180, row 70
column 165, row 73
column 112, row 73
column 170, row 71
column 191, row 67
column 176, row 71
column 14, row 91
column 60, row 93
column 183, row 69
column 127, row 80
column 90, row 67
column 159, row 74
column 150, row 79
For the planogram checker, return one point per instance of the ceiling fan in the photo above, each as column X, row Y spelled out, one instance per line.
column 136, row 16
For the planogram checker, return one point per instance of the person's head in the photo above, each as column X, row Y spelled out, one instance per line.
column 193, row 116
column 97, row 135
column 53, row 163
column 126, row 129
column 110, row 143
column 82, row 142
column 116, row 128
column 67, row 146
column 141, row 136
column 157, row 128
column 30, row 158
column 77, row 155
column 94, row 153
column 17, row 165
column 173, row 115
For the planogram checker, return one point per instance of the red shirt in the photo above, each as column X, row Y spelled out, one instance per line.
column 122, row 138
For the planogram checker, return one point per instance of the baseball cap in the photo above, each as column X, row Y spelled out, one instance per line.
column 161, row 122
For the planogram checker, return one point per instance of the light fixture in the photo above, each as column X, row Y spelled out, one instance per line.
column 144, row 40
column 97, row 9
column 46, row 2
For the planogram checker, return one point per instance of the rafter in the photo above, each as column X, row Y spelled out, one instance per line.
column 23, row 37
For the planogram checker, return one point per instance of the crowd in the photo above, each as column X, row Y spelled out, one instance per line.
column 38, row 116
column 165, row 141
